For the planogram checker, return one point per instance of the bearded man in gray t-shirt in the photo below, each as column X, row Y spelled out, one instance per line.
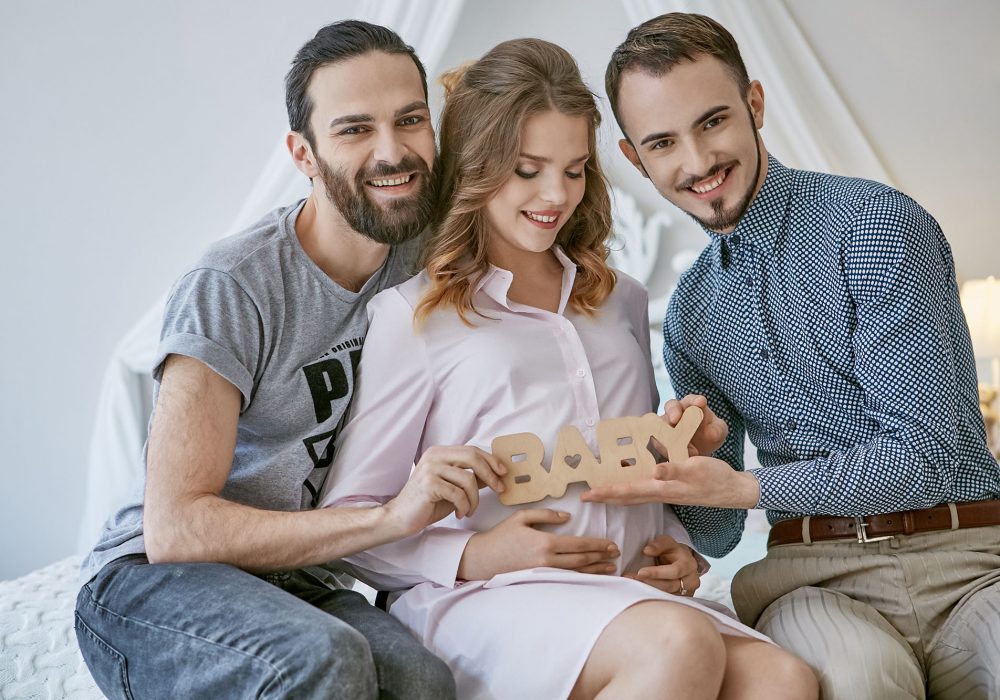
column 209, row 584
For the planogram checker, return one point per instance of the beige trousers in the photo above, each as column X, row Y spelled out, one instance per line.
column 912, row 617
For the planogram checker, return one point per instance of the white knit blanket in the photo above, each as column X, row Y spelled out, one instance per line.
column 39, row 657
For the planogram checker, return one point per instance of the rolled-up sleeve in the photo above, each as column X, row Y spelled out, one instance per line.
column 209, row 316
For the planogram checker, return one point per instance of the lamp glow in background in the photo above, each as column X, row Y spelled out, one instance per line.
column 981, row 303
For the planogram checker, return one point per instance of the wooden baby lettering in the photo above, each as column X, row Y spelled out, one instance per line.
column 624, row 448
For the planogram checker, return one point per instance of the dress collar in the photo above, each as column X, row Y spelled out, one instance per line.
column 495, row 283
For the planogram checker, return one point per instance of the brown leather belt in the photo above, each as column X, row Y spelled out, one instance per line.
column 875, row 528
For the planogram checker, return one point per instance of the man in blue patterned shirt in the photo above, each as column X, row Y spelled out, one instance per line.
column 822, row 321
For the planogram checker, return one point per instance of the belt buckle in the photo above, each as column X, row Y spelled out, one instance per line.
column 862, row 529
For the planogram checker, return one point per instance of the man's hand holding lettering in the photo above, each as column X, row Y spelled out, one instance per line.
column 712, row 432
column 700, row 481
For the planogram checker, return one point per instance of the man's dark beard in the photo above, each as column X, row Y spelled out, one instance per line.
column 398, row 221
column 723, row 219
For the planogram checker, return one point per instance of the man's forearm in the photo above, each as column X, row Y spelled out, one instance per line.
column 212, row 529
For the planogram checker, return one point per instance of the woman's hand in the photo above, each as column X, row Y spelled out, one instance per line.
column 515, row 544
column 445, row 479
column 676, row 569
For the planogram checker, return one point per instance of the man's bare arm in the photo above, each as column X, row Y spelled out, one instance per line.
column 191, row 447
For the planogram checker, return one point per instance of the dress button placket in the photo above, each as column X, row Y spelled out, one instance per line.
column 586, row 398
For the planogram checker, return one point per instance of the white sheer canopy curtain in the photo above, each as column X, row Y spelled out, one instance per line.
column 806, row 123
column 125, row 399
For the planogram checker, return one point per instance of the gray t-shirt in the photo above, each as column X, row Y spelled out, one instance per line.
column 260, row 312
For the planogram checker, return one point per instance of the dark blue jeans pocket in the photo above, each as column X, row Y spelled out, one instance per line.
column 106, row 664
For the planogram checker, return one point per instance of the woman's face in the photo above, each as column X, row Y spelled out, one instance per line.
column 543, row 191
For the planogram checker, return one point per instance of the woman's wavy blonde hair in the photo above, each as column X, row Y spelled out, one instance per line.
column 486, row 105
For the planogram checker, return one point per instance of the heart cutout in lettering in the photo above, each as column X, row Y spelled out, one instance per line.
column 573, row 461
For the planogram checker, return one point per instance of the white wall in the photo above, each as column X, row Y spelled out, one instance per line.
column 922, row 77
column 130, row 133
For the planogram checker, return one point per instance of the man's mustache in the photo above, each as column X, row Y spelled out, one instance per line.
column 714, row 170
column 407, row 165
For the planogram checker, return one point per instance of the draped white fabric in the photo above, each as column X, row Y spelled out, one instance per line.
column 125, row 400
column 120, row 422
column 806, row 123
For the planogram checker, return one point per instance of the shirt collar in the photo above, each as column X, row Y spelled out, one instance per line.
column 495, row 283
column 763, row 223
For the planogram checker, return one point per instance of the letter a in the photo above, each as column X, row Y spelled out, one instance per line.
column 572, row 461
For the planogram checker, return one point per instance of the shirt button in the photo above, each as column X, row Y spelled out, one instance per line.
column 748, row 281
column 764, row 354
column 791, row 425
column 590, row 422
column 581, row 373
column 735, row 239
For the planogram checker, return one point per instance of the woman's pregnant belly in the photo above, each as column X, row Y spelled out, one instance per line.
column 630, row 527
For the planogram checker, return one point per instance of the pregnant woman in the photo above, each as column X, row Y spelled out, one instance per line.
column 517, row 324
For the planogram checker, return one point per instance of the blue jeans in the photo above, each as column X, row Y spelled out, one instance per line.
column 215, row 631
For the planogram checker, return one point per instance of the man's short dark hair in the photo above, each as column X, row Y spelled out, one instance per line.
column 659, row 44
column 333, row 43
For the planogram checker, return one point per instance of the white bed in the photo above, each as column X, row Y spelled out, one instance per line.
column 39, row 656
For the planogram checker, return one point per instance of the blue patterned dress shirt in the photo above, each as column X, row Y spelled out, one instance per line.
column 827, row 327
